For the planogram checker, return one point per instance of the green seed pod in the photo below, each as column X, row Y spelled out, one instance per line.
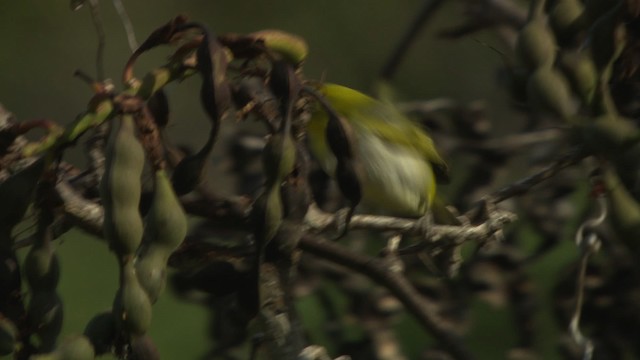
column 267, row 215
column 610, row 136
column 291, row 47
column 8, row 336
column 124, row 230
column 624, row 210
column 132, row 306
column 548, row 92
column 42, row 267
column 273, row 215
column 121, row 187
column 582, row 74
column 158, row 105
column 189, row 173
column 143, row 348
column 101, row 331
column 45, row 311
column 536, row 46
column 151, row 269
column 166, row 221
column 279, row 157
column 567, row 18
column 76, row 347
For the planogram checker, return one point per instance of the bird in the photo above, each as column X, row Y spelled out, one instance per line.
column 400, row 163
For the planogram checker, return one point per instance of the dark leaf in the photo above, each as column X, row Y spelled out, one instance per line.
column 163, row 34
column 159, row 108
column 215, row 93
column 160, row 36
column 340, row 139
column 18, row 191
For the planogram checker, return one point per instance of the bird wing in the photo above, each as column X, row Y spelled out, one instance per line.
column 390, row 124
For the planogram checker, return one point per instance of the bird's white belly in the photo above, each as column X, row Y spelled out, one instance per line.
column 397, row 181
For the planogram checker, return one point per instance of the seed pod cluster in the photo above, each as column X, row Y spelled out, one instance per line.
column 120, row 192
column 548, row 91
column 45, row 311
column 166, row 228
column 536, row 46
column 45, row 315
column 17, row 193
column 278, row 161
column 582, row 74
column 610, row 135
column 616, row 139
column 76, row 347
column 278, row 157
column 567, row 18
column 584, row 69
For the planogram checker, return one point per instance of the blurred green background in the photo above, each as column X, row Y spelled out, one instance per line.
column 44, row 42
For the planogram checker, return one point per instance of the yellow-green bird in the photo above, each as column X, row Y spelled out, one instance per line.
column 400, row 162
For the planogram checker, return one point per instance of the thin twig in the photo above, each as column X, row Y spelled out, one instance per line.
column 126, row 23
column 510, row 142
column 588, row 245
column 522, row 186
column 574, row 325
column 97, row 23
column 428, row 10
column 482, row 15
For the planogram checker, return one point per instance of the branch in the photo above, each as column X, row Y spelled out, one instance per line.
column 84, row 213
column 429, row 8
column 126, row 23
column 78, row 211
column 425, row 311
column 319, row 221
column 89, row 216
column 522, row 186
